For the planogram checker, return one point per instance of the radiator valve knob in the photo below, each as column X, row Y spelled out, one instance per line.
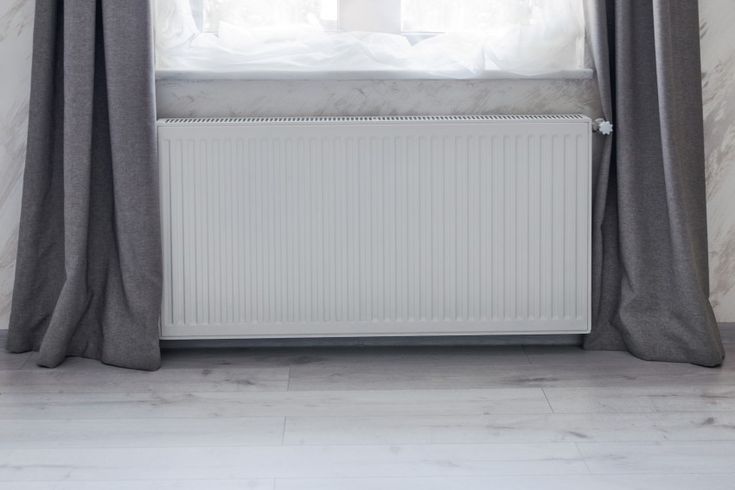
column 603, row 127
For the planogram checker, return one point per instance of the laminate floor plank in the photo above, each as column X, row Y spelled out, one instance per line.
column 670, row 457
column 10, row 361
column 555, row 482
column 265, row 404
column 260, row 484
column 107, row 379
column 260, row 462
column 559, row 355
column 357, row 356
column 512, row 428
column 636, row 399
column 161, row 432
column 393, row 375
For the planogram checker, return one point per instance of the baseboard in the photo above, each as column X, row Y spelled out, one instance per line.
column 489, row 340
column 464, row 340
column 727, row 330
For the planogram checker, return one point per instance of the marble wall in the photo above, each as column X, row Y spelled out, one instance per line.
column 388, row 97
column 222, row 98
column 16, row 26
column 717, row 19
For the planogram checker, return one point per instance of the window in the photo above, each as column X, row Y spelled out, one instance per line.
column 432, row 38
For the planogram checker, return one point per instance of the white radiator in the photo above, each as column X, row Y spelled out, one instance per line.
column 303, row 227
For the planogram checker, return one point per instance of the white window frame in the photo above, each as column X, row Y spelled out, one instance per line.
column 355, row 15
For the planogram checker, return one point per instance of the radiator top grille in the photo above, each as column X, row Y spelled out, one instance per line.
column 182, row 121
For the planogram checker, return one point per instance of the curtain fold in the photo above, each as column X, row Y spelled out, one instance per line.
column 88, row 271
column 650, row 271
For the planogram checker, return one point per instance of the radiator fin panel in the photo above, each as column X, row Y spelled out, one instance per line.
column 422, row 228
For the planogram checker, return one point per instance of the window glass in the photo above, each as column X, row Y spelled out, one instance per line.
column 444, row 38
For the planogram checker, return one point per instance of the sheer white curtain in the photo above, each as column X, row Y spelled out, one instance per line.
column 444, row 38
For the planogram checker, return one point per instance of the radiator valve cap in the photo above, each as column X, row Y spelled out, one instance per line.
column 603, row 127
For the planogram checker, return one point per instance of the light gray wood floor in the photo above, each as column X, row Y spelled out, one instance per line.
column 356, row 418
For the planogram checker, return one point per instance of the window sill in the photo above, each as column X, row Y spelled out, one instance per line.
column 194, row 75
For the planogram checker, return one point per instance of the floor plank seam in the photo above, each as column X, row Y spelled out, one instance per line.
column 283, row 431
column 548, row 402
column 25, row 362
column 385, row 445
column 525, row 353
column 583, row 458
column 592, row 441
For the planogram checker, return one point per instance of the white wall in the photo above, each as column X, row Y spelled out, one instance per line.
column 390, row 97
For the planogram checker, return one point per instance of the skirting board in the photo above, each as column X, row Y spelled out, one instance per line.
column 727, row 330
column 409, row 341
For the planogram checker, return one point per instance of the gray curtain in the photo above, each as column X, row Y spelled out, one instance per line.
column 650, row 272
column 88, row 274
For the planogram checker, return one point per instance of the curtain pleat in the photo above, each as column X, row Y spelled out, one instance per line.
column 88, row 274
column 88, row 271
column 650, row 272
